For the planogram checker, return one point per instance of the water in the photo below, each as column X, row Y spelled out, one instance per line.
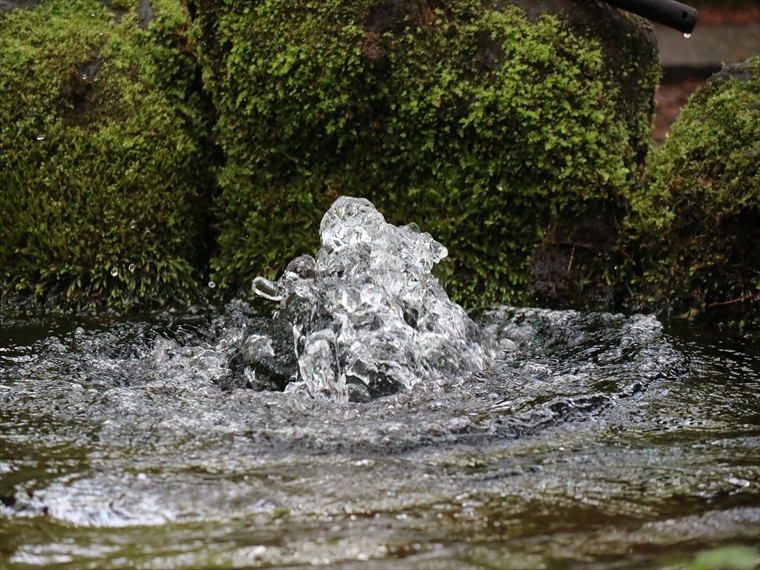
column 554, row 438
column 368, row 316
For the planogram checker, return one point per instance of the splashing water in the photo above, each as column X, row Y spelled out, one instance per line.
column 591, row 440
column 368, row 317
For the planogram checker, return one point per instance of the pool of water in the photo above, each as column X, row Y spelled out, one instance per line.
column 589, row 440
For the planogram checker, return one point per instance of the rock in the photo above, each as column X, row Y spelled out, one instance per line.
column 488, row 125
column 104, row 176
column 513, row 133
column 694, row 230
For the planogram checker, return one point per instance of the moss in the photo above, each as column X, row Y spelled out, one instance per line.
column 694, row 229
column 122, row 4
column 104, row 176
column 475, row 122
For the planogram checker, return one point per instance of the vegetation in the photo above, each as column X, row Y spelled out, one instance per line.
column 104, row 172
column 476, row 123
column 694, row 229
column 505, row 136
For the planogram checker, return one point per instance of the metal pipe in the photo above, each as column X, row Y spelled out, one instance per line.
column 666, row 12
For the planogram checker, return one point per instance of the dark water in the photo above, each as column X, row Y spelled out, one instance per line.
column 593, row 440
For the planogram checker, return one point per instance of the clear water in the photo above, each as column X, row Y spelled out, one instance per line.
column 368, row 317
column 566, row 440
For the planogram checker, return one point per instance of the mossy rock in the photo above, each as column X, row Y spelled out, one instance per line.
column 694, row 229
column 481, row 122
column 105, row 177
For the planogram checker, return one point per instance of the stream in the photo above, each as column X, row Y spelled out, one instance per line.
column 350, row 416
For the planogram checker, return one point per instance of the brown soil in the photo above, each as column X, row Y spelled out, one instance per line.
column 716, row 15
column 669, row 100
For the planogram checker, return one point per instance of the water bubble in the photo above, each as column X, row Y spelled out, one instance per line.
column 40, row 137
column 114, row 271
column 687, row 36
column 211, row 284
column 132, row 267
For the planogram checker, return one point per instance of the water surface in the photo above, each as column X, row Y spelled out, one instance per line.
column 592, row 440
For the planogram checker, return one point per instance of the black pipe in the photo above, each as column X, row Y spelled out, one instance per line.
column 666, row 12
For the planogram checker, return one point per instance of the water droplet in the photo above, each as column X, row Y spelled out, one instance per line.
column 211, row 284
column 40, row 137
column 687, row 36
column 114, row 271
column 132, row 267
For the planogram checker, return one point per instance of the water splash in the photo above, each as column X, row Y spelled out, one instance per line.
column 368, row 317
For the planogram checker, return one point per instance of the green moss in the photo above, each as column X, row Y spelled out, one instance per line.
column 474, row 122
column 727, row 558
column 694, row 229
column 103, row 166
column 122, row 4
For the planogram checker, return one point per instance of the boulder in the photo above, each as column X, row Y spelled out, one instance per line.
column 508, row 130
column 105, row 162
column 514, row 132
column 694, row 229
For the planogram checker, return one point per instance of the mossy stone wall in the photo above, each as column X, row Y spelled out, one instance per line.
column 105, row 183
column 476, row 121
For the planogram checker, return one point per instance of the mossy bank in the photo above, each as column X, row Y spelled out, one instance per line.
column 693, row 234
column 483, row 123
column 105, row 178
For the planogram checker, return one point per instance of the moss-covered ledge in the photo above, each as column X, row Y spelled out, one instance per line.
column 481, row 122
column 104, row 166
column 693, row 234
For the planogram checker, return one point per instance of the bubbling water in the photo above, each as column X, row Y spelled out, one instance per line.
column 367, row 317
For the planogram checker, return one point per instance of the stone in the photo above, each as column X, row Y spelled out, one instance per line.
column 484, row 124
column 693, row 231
column 105, row 157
